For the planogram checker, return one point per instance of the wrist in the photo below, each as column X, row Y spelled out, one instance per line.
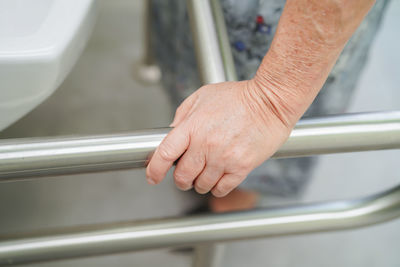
column 278, row 93
column 269, row 105
column 289, row 85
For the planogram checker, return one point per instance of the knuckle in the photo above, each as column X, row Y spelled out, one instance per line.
column 197, row 159
column 237, row 154
column 204, row 182
column 190, row 162
column 166, row 153
column 225, row 187
column 213, row 167
column 244, row 165
column 181, row 180
column 185, row 168
column 201, row 189
column 241, row 161
column 222, row 189
column 182, row 169
column 152, row 173
column 217, row 192
column 238, row 162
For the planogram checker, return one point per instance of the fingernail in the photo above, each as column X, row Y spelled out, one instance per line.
column 151, row 181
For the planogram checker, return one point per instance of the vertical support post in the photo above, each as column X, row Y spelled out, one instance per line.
column 223, row 40
column 205, row 38
column 208, row 255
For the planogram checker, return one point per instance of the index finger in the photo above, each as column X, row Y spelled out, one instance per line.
column 170, row 149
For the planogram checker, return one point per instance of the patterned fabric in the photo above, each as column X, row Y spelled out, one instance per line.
column 251, row 26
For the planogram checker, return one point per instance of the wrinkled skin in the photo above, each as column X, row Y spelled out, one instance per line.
column 221, row 132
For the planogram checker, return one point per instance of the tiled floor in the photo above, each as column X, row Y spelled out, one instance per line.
column 101, row 96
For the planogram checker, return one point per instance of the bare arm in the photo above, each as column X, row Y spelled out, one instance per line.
column 310, row 36
column 223, row 131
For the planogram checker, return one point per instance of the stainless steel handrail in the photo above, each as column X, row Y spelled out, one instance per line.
column 132, row 236
column 22, row 158
column 333, row 134
column 45, row 156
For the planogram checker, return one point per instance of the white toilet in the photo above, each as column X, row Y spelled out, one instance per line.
column 40, row 41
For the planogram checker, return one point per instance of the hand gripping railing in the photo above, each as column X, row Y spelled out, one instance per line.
column 27, row 158
column 32, row 157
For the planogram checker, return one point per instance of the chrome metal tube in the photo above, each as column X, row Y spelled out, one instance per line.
column 22, row 158
column 223, row 41
column 343, row 133
column 99, row 240
column 63, row 155
column 208, row 53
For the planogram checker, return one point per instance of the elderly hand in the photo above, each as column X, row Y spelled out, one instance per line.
column 221, row 133
column 225, row 130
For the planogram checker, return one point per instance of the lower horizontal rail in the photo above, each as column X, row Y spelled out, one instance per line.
column 105, row 239
column 356, row 132
column 21, row 158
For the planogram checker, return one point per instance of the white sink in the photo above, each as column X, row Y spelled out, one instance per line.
column 40, row 41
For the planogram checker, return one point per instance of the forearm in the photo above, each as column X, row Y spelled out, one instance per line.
column 310, row 36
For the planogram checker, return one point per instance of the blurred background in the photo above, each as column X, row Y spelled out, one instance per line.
column 101, row 95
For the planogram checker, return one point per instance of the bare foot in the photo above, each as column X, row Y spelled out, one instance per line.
column 234, row 201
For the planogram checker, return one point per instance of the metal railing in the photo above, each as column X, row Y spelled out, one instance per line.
column 133, row 236
column 32, row 157
column 27, row 158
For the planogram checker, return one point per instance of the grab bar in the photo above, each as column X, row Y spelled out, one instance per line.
column 22, row 158
column 29, row 157
column 131, row 236
column 332, row 134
